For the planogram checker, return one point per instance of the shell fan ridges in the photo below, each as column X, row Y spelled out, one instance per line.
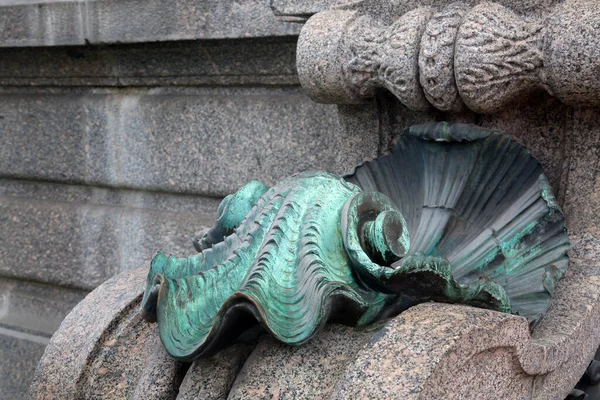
column 479, row 200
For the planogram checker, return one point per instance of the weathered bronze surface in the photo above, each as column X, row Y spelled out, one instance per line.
column 455, row 213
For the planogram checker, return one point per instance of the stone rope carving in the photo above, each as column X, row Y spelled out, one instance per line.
column 482, row 57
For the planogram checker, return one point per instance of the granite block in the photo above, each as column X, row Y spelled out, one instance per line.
column 72, row 242
column 39, row 240
column 207, row 143
column 202, row 141
column 572, row 51
column 111, row 21
column 41, row 23
column 42, row 137
column 80, row 194
column 29, row 314
column 35, row 307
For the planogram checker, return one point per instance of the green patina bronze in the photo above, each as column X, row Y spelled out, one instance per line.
column 455, row 213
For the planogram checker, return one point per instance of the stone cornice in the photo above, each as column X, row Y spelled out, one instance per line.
column 26, row 23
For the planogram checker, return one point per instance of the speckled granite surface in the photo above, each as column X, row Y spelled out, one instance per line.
column 76, row 102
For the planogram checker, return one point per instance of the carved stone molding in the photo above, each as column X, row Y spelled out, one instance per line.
column 482, row 57
column 498, row 56
column 388, row 58
column 436, row 58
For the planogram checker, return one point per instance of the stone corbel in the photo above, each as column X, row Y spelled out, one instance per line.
column 481, row 57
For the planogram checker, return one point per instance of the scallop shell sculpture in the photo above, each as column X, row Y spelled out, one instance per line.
column 455, row 213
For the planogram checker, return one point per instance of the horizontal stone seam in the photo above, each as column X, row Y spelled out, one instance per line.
column 178, row 76
column 207, row 194
column 128, row 190
column 85, row 42
column 20, row 335
column 81, row 288
column 52, row 286
column 154, row 91
column 20, row 200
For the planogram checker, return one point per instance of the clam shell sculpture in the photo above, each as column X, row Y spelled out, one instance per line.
column 455, row 213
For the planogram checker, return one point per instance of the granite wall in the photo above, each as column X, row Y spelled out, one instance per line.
column 123, row 123
column 111, row 149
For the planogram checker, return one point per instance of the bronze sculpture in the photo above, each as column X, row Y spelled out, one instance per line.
column 455, row 213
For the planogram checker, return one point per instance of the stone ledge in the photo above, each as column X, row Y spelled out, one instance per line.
column 262, row 62
column 54, row 23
